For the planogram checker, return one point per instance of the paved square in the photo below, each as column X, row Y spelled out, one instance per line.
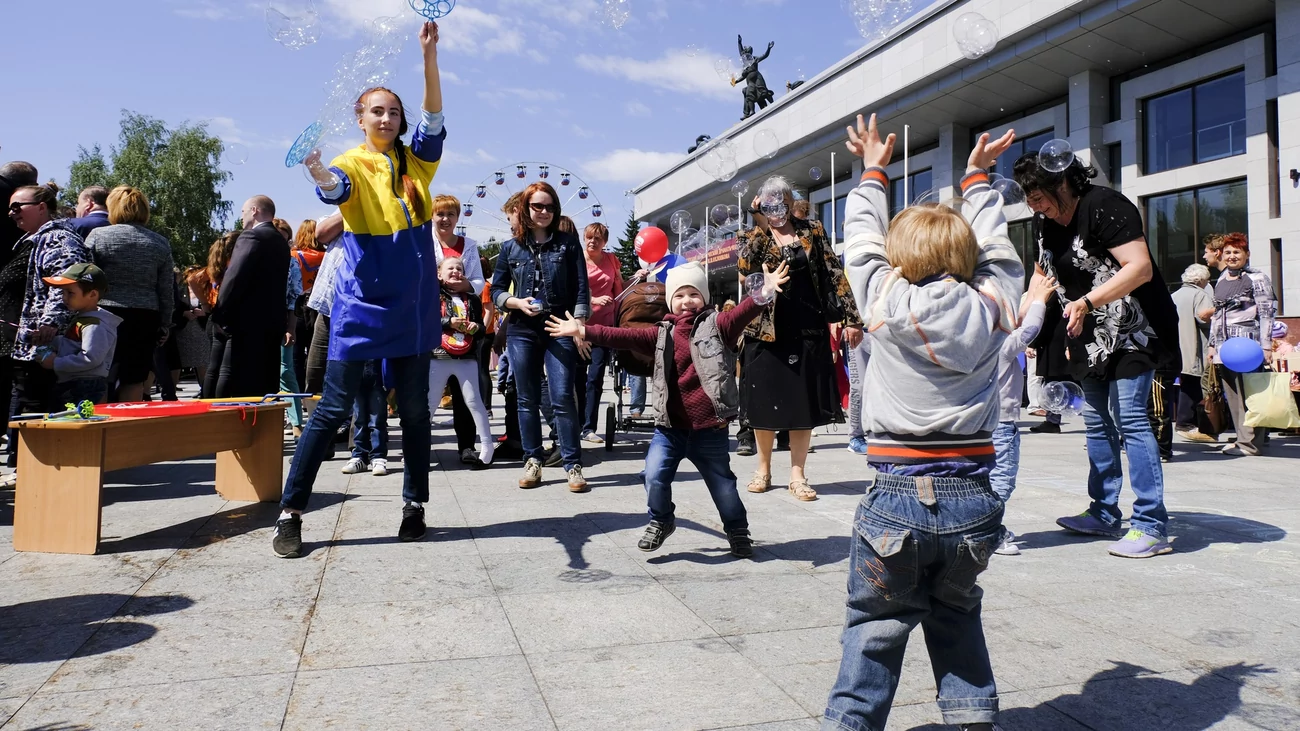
column 535, row 610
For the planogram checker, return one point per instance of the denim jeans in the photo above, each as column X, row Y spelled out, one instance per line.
column 637, row 386
column 342, row 384
column 289, row 384
column 370, row 415
column 532, row 349
column 1114, row 409
column 918, row 546
column 708, row 450
column 1006, row 445
column 94, row 390
column 590, row 393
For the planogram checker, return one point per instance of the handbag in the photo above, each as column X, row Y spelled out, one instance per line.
column 1212, row 404
column 1269, row 402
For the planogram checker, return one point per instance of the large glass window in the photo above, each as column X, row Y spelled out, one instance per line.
column 1177, row 223
column 824, row 215
column 919, row 184
column 1198, row 124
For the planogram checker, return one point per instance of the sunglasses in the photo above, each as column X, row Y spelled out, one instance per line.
column 17, row 206
column 542, row 207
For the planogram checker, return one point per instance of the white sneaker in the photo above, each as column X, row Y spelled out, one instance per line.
column 379, row 467
column 354, row 466
column 1008, row 547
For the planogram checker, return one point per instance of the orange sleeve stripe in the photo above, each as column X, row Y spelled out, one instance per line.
column 975, row 179
column 878, row 175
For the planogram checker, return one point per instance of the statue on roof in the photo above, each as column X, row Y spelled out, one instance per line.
column 756, row 91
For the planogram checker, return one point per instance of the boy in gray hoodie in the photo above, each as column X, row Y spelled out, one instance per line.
column 82, row 355
column 939, row 290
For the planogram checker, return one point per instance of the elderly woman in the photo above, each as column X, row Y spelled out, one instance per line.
column 1195, row 306
column 138, row 263
column 787, row 373
column 1244, row 307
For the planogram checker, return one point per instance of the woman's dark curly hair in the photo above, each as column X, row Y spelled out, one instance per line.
column 1033, row 177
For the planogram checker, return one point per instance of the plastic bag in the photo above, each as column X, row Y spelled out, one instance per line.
column 1269, row 402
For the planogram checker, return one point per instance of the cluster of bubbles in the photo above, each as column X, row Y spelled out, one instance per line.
column 766, row 144
column 432, row 9
column 294, row 24
column 726, row 69
column 717, row 158
column 975, row 35
column 875, row 19
column 617, row 13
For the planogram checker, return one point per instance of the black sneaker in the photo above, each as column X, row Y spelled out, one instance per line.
column 655, row 535
column 552, row 457
column 1046, row 427
column 746, row 447
column 412, row 528
column 742, row 546
column 287, row 541
column 469, row 456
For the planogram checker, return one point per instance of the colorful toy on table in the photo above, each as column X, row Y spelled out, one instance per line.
column 84, row 411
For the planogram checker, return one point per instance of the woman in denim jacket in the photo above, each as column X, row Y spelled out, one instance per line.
column 541, row 271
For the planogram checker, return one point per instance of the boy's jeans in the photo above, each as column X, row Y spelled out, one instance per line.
column 708, row 450
column 1006, row 445
column 1114, row 409
column 370, row 415
column 94, row 390
column 918, row 546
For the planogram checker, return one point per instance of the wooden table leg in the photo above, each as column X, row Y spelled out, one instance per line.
column 255, row 473
column 60, row 477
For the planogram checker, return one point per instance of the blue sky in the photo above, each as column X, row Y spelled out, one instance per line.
column 524, row 80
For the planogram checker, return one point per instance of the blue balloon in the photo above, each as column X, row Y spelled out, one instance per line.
column 1021, row 357
column 668, row 262
column 1242, row 355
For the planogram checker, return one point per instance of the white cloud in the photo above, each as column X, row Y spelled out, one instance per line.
column 629, row 165
column 497, row 97
column 355, row 13
column 674, row 71
column 207, row 10
column 484, row 155
column 448, row 77
column 583, row 132
column 474, row 32
column 636, row 109
column 573, row 12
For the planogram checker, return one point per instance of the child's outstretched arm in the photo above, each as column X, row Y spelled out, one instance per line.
column 639, row 339
column 999, row 266
column 866, row 214
column 732, row 324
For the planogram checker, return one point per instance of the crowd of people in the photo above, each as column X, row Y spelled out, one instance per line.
column 383, row 308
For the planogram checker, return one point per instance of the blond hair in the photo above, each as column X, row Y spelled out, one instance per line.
column 128, row 205
column 926, row 240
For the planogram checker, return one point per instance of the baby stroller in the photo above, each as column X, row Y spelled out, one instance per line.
column 643, row 304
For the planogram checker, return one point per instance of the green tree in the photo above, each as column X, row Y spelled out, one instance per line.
column 626, row 252
column 178, row 169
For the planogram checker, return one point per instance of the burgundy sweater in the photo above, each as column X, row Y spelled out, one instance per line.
column 689, row 406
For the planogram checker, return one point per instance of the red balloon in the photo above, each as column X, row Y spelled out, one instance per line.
column 651, row 244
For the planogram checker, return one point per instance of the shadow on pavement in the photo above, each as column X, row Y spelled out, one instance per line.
column 29, row 638
column 1188, row 532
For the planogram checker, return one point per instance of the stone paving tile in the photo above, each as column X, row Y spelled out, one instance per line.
column 548, row 572
column 9, row 706
column 398, row 572
column 621, row 615
column 734, row 604
column 480, row 693
column 30, row 655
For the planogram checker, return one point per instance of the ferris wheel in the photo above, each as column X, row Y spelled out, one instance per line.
column 481, row 217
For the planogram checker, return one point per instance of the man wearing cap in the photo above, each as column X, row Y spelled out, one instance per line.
column 81, row 356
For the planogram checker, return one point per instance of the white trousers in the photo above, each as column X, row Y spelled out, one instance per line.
column 464, row 370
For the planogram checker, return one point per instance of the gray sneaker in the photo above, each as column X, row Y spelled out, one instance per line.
column 1139, row 545
column 1089, row 525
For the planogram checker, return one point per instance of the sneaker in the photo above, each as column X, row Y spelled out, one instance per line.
column 592, row 437
column 379, row 467
column 746, row 448
column 1089, row 525
column 470, row 457
column 655, row 535
column 858, row 445
column 287, row 541
column 1235, row 451
column 1008, row 547
column 532, row 474
column 742, row 546
column 1137, row 544
column 552, row 458
column 577, row 483
column 354, row 466
column 412, row 528
column 508, row 450
column 1046, row 427
column 1195, row 435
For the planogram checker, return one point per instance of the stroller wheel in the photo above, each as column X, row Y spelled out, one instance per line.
column 610, row 425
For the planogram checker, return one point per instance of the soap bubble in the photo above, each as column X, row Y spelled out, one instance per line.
column 1011, row 192
column 709, row 162
column 1056, row 156
column 766, row 144
column 235, row 154
column 726, row 71
column 733, row 213
column 680, row 221
column 815, row 173
column 754, row 286
column 726, row 171
column 726, row 149
column 692, row 50
column 975, row 35
column 718, row 214
column 740, row 188
column 617, row 13
column 638, row 205
column 692, row 247
column 293, row 24
column 875, row 19
column 432, row 9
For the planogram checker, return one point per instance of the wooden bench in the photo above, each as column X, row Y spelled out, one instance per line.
column 61, row 466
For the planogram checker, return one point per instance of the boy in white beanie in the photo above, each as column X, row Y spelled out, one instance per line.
column 695, row 395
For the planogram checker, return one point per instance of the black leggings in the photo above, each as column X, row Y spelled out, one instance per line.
column 317, row 354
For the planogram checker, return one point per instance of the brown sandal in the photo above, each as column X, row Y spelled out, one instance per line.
column 760, row 483
column 801, row 490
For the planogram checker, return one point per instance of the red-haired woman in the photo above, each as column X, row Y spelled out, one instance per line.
column 386, row 304
column 540, row 272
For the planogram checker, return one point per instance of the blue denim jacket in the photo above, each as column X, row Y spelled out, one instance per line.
column 564, row 275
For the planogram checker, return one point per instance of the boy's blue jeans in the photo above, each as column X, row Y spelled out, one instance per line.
column 94, row 390
column 1114, row 409
column 918, row 546
column 1006, row 445
column 370, row 415
column 709, row 450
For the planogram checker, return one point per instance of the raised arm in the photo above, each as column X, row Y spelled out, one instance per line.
column 866, row 214
column 766, row 53
column 432, row 80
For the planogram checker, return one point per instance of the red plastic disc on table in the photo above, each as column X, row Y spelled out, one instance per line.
column 144, row 409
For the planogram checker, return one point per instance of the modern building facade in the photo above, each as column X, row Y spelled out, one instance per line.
column 1191, row 108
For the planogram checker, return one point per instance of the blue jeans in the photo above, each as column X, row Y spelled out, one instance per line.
column 370, row 415
column 342, row 384
column 593, row 390
column 94, row 390
column 1006, row 445
column 289, row 384
column 708, row 450
column 532, row 349
column 918, row 546
column 1114, row 409
column 638, row 392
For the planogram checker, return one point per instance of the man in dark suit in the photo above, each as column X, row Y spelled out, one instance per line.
column 251, row 310
column 92, row 210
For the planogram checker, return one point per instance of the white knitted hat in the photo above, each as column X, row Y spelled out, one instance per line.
column 687, row 275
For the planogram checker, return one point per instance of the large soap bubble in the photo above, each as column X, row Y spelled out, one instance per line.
column 617, row 13
column 680, row 221
column 975, row 35
column 727, row 170
column 725, row 69
column 1056, row 156
column 1011, row 192
column 235, row 154
column 766, row 144
column 718, row 214
column 740, row 188
column 293, row 24
column 754, row 286
column 815, row 173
